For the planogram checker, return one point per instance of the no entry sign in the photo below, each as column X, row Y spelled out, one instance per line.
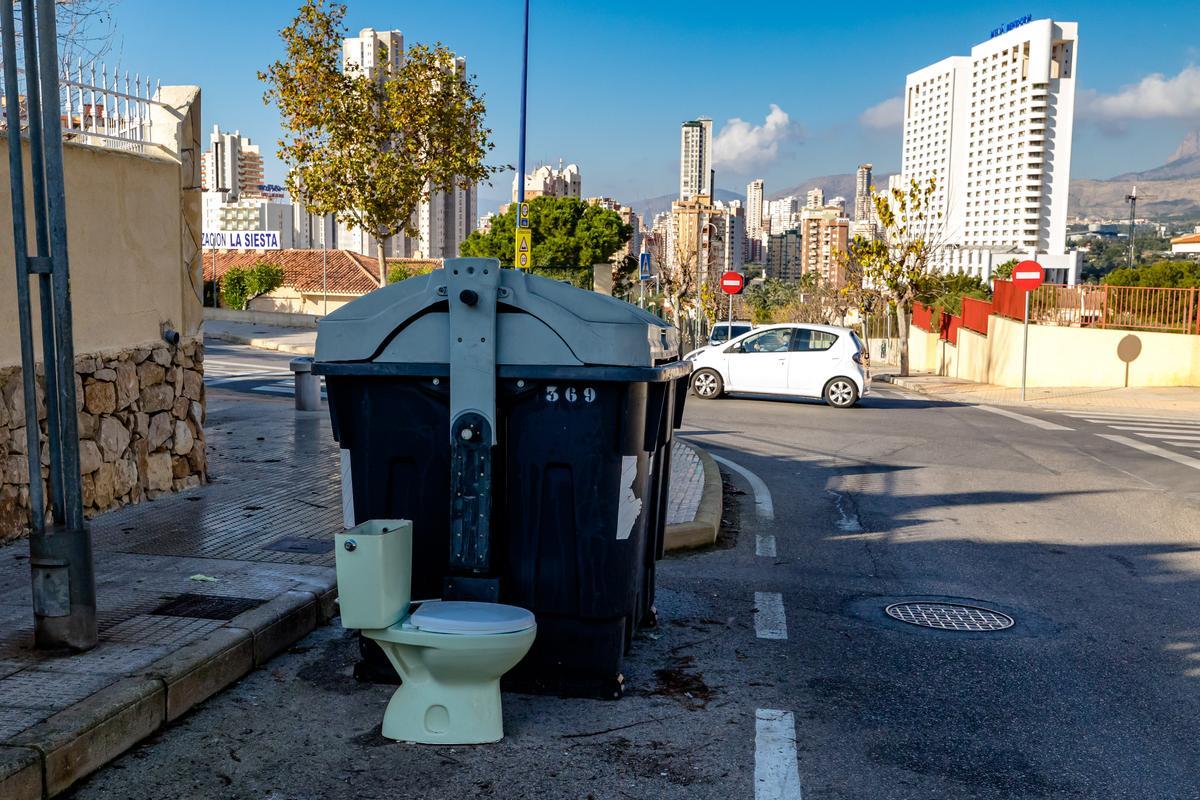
column 1028, row 275
column 732, row 283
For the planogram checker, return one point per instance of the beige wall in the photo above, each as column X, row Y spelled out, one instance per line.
column 127, row 215
column 289, row 301
column 1060, row 356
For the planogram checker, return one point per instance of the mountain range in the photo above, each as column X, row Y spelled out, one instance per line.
column 1167, row 192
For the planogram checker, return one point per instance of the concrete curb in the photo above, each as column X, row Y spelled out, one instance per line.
column 53, row 755
column 702, row 531
column 262, row 344
column 903, row 383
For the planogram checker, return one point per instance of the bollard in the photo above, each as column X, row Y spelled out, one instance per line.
column 308, row 385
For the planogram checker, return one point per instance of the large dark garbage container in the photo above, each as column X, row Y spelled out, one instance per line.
column 582, row 393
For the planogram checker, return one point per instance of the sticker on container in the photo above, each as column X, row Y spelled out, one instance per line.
column 347, row 492
column 630, row 506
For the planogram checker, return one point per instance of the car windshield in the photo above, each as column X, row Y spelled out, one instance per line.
column 721, row 333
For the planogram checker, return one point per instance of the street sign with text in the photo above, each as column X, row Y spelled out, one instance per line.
column 240, row 240
column 1028, row 275
column 732, row 283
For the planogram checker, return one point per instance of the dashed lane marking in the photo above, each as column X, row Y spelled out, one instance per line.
column 764, row 545
column 769, row 620
column 776, row 771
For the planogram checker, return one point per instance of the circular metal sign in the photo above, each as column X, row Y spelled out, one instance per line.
column 1028, row 275
column 950, row 616
column 732, row 282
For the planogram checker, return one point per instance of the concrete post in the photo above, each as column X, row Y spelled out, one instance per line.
column 308, row 385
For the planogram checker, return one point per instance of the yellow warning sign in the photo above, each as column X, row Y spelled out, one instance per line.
column 524, row 245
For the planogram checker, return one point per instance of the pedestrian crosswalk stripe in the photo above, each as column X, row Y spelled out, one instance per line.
column 769, row 620
column 1146, row 447
column 1158, row 433
column 1092, row 416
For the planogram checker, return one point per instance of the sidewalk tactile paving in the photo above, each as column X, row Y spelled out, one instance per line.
column 107, row 657
column 39, row 688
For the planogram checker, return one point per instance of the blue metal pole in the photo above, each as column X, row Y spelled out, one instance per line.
column 16, row 168
column 524, row 91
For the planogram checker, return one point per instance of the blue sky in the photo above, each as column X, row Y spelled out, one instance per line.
column 610, row 82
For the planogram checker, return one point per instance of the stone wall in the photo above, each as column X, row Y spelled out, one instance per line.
column 141, row 429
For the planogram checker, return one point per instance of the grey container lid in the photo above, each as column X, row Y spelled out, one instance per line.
column 539, row 322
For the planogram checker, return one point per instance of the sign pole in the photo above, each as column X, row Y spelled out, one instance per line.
column 1025, row 347
column 1026, row 276
column 730, row 330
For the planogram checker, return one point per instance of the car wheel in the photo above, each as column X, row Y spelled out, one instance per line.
column 841, row 393
column 707, row 383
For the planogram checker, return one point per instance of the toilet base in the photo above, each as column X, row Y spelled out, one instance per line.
column 430, row 713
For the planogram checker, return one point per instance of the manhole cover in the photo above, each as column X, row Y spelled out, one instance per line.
column 949, row 616
column 206, row 606
column 298, row 544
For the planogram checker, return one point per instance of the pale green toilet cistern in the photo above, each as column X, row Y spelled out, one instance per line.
column 449, row 654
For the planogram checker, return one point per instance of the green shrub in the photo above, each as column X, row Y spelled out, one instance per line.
column 402, row 272
column 240, row 285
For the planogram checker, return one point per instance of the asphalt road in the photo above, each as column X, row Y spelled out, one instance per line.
column 779, row 675
column 240, row 368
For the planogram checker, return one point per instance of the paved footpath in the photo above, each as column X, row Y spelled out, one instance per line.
column 194, row 590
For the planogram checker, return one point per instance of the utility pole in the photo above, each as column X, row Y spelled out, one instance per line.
column 524, row 91
column 63, row 577
column 1132, row 199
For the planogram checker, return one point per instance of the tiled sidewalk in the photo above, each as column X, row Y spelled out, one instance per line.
column 193, row 590
column 236, row 570
column 687, row 484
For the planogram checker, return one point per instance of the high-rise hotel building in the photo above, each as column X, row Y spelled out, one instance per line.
column 994, row 130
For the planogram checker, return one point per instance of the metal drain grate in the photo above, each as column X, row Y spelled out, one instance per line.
column 950, row 616
column 298, row 544
column 205, row 606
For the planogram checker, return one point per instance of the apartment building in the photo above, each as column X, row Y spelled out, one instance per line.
column 994, row 130
column 696, row 176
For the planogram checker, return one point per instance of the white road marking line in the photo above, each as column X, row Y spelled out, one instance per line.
column 1153, row 450
column 1157, row 433
column 776, row 772
column 764, row 545
column 1192, row 444
column 769, row 621
column 1038, row 423
column 1130, row 417
column 763, row 505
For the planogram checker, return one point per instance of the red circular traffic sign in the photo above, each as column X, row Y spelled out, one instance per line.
column 732, row 283
column 1028, row 275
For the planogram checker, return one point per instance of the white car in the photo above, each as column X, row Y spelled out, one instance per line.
column 795, row 359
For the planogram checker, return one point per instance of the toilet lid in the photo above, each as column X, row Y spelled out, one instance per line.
column 464, row 616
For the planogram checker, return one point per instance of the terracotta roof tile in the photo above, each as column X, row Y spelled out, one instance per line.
column 348, row 273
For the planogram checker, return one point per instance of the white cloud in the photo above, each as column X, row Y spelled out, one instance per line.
column 741, row 146
column 1154, row 97
column 888, row 114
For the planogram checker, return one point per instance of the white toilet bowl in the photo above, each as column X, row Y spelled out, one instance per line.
column 450, row 655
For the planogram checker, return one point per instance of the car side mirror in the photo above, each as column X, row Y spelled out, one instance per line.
column 735, row 348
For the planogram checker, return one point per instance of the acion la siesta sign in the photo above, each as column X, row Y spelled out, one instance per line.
column 240, row 240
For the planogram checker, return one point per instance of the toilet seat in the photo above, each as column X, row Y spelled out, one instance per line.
column 469, row 617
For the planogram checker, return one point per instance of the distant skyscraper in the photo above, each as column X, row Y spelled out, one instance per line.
column 782, row 214
column 695, row 159
column 862, row 193
column 375, row 52
column 993, row 129
column 449, row 216
column 783, row 255
column 815, row 197
column 754, row 207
